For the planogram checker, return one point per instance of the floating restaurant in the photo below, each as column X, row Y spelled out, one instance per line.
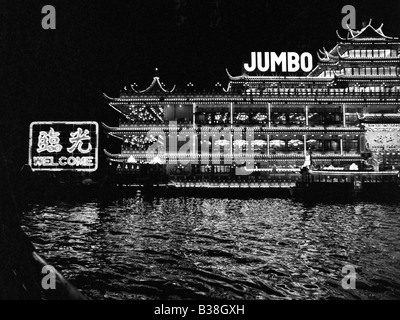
column 343, row 115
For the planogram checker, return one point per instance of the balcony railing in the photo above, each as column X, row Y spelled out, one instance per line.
column 273, row 154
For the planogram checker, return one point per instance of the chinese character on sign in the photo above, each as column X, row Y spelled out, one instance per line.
column 77, row 139
column 49, row 141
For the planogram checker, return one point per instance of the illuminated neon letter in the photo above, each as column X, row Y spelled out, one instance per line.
column 62, row 161
column 306, row 56
column 262, row 67
column 253, row 63
column 49, row 141
column 77, row 139
column 278, row 60
column 293, row 61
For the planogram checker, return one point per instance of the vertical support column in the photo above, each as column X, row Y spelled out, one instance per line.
column 231, row 136
column 306, row 115
column 344, row 114
column 231, row 109
column 194, row 115
column 269, row 115
column 305, row 144
column 195, row 136
column 267, row 144
column 231, row 144
column 341, row 146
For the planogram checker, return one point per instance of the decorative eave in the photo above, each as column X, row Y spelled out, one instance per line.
column 367, row 78
column 232, row 78
column 120, row 157
column 329, row 63
column 110, row 98
column 246, row 78
column 370, row 59
column 108, row 128
column 328, row 56
column 115, row 155
column 379, row 118
column 340, row 37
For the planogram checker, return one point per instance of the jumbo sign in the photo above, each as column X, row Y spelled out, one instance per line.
column 288, row 62
column 63, row 146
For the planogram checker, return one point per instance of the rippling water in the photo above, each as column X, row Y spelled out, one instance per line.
column 194, row 248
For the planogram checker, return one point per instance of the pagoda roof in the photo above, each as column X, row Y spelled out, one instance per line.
column 156, row 86
column 366, row 33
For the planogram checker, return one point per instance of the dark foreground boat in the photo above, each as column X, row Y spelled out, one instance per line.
column 22, row 271
column 342, row 184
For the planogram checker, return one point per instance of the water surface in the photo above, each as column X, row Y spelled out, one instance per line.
column 195, row 248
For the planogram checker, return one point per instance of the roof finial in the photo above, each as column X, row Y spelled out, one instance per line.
column 156, row 72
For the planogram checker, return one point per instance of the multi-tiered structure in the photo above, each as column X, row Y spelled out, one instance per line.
column 344, row 114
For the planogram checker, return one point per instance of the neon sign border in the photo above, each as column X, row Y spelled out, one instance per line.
column 67, row 123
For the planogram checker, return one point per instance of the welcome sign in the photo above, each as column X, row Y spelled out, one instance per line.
column 63, row 146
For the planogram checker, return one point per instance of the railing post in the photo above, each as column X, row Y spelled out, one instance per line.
column 231, row 118
column 344, row 114
column 269, row 115
column 307, row 115
column 341, row 146
column 194, row 115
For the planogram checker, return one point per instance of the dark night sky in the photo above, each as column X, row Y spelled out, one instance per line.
column 101, row 46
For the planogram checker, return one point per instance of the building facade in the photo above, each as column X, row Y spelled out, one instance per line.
column 343, row 115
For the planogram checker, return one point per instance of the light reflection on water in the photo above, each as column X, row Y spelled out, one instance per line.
column 190, row 248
